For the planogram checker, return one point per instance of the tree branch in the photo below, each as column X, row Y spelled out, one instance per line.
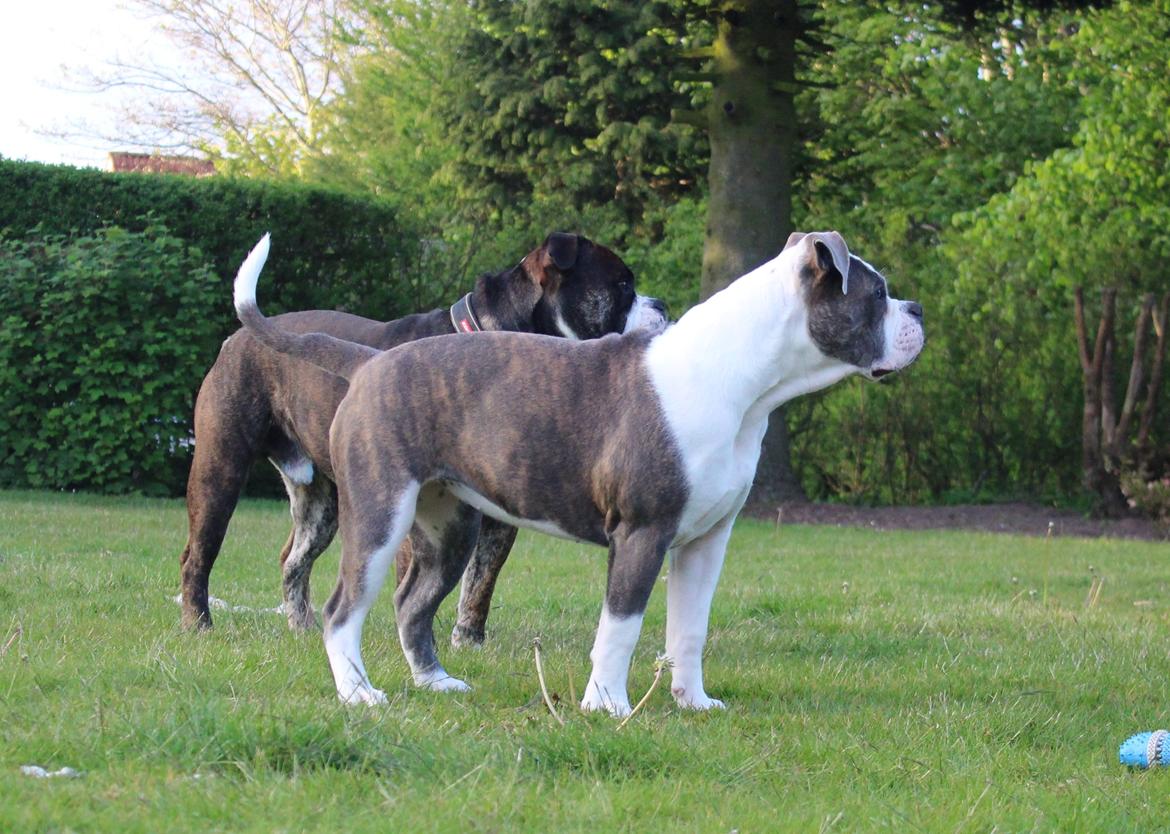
column 1136, row 369
column 1151, row 404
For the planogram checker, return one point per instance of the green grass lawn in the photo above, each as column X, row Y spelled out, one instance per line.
column 875, row 681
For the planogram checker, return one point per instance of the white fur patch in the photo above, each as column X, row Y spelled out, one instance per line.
column 486, row 506
column 343, row 643
column 721, row 370
column 244, row 291
column 343, row 647
column 437, row 680
column 566, row 331
column 612, row 650
column 644, row 315
column 904, row 338
column 690, row 587
column 299, row 471
column 435, row 511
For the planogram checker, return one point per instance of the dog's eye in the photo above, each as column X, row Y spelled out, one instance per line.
column 879, row 293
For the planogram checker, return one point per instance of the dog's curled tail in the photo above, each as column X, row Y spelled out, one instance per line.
column 326, row 352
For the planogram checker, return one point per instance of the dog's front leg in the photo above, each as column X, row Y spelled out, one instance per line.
column 635, row 558
column 690, row 586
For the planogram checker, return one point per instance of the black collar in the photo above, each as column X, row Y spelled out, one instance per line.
column 463, row 317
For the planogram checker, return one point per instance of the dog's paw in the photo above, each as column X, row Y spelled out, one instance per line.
column 300, row 621
column 365, row 694
column 440, row 681
column 595, row 701
column 463, row 637
column 697, row 700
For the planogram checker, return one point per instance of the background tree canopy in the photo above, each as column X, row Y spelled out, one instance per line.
column 990, row 157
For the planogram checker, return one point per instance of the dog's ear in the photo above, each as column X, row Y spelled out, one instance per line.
column 562, row 249
column 557, row 255
column 826, row 252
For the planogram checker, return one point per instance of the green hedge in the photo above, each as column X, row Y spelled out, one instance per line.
column 101, row 346
column 329, row 249
column 115, row 294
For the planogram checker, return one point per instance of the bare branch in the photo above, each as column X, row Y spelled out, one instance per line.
column 255, row 70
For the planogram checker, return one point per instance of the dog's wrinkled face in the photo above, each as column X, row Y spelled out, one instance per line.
column 588, row 291
column 854, row 319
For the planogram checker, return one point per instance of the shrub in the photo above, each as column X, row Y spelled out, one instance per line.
column 329, row 249
column 103, row 340
column 109, row 322
column 1149, row 494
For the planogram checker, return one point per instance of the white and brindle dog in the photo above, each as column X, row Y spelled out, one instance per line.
column 645, row 443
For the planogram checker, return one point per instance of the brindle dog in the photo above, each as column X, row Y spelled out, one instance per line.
column 255, row 401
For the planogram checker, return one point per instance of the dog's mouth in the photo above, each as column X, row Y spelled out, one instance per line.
column 879, row 373
column 905, row 351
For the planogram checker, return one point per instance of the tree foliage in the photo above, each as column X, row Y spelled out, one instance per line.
column 993, row 172
column 571, row 98
column 988, row 156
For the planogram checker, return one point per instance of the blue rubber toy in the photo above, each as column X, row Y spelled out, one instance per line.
column 1146, row 750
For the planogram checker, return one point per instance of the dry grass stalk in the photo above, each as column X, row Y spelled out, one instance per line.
column 15, row 635
column 660, row 665
column 1094, row 591
column 543, row 688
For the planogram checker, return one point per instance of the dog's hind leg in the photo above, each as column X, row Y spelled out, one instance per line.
column 368, row 546
column 225, row 446
column 479, row 581
column 314, row 513
column 444, row 535
column 635, row 558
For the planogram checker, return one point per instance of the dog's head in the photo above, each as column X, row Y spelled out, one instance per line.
column 581, row 290
column 851, row 315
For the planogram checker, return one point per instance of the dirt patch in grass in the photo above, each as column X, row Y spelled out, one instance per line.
column 1020, row 518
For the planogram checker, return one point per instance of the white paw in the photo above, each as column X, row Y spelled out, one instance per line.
column 442, row 682
column 697, row 700
column 363, row 694
column 595, row 700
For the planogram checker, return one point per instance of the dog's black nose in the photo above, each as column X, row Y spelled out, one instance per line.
column 914, row 309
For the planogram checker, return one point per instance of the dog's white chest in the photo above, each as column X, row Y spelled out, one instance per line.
column 718, row 450
column 719, row 476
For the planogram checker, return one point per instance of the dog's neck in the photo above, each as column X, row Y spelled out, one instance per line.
column 505, row 300
column 749, row 345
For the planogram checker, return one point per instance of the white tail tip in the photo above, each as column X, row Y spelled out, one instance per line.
column 249, row 274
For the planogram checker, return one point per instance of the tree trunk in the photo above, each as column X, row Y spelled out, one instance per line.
column 1155, row 386
column 1096, row 424
column 753, row 136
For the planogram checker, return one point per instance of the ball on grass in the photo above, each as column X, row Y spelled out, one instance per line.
column 1146, row 750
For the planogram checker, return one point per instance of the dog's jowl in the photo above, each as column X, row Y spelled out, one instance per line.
column 645, row 443
column 256, row 402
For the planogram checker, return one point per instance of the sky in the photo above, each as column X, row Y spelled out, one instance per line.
column 38, row 39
